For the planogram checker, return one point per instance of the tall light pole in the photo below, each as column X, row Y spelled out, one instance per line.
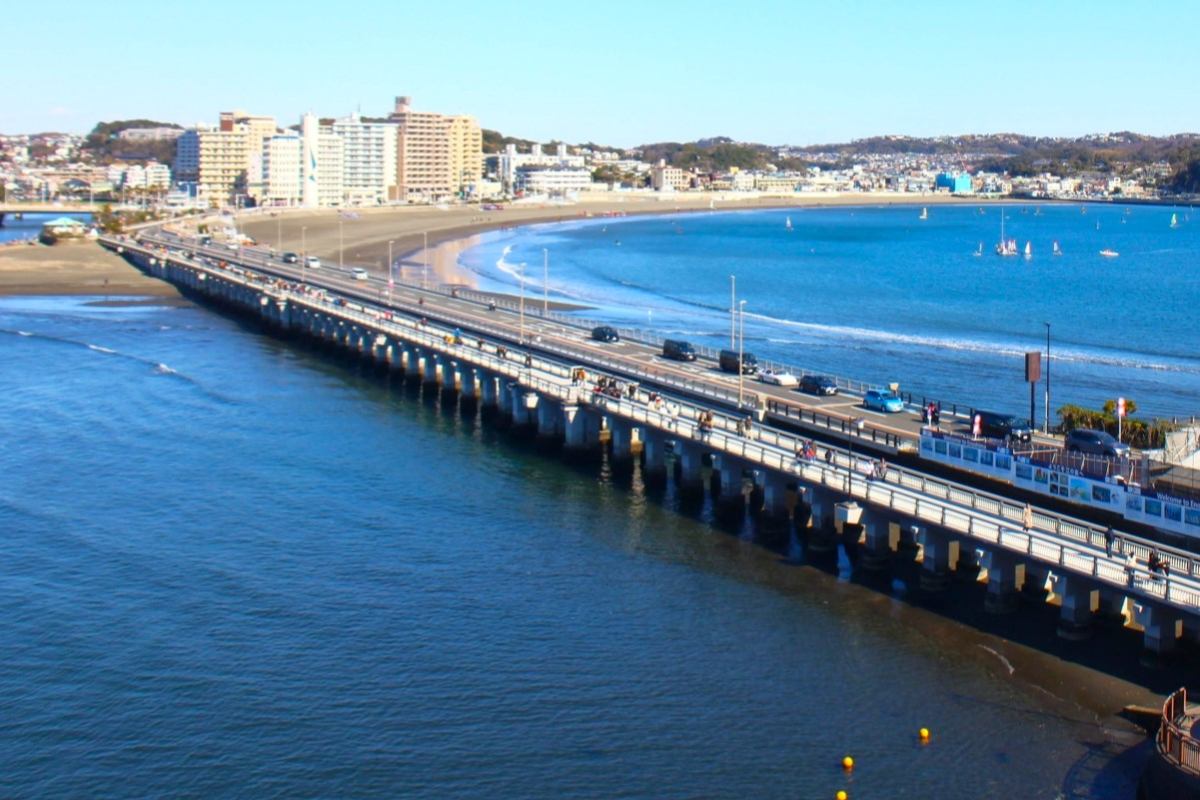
column 521, row 335
column 856, row 423
column 303, row 251
column 741, row 348
column 732, row 309
column 545, row 282
column 341, row 244
column 1046, row 418
column 424, row 258
column 278, row 232
column 391, row 276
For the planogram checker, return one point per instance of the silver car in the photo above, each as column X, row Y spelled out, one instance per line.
column 1095, row 443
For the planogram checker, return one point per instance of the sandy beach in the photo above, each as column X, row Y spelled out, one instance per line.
column 365, row 233
column 74, row 268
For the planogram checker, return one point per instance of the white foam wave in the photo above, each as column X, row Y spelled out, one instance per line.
column 163, row 369
column 24, row 333
column 100, row 349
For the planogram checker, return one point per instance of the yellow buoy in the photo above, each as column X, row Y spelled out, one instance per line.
column 847, row 763
column 923, row 734
column 841, row 795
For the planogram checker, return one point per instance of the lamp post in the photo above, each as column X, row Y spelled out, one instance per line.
column 856, row 423
column 741, row 349
column 303, row 251
column 424, row 258
column 391, row 276
column 732, row 308
column 1046, row 418
column 545, row 283
column 278, row 231
column 521, row 334
column 341, row 244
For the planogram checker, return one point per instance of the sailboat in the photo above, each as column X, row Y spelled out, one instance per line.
column 1108, row 252
column 1028, row 250
column 924, row 213
column 1005, row 247
column 788, row 223
column 1174, row 221
column 1056, row 250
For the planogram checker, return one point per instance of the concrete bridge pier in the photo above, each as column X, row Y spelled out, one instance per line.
column 1162, row 626
column 780, row 495
column 550, row 418
column 469, row 386
column 626, row 439
column 654, row 456
column 504, row 399
column 880, row 537
column 822, row 536
column 523, row 406
column 412, row 363
column 489, row 389
column 1005, row 576
column 1078, row 599
column 581, row 428
column 732, row 489
column 939, row 557
column 690, row 460
column 430, row 371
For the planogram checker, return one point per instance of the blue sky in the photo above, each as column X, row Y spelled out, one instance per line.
column 621, row 73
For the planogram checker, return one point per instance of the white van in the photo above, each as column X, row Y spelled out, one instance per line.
column 359, row 274
column 312, row 262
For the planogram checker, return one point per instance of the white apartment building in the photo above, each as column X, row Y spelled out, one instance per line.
column 225, row 162
column 669, row 179
column 368, row 160
column 281, row 170
column 552, row 181
column 510, row 161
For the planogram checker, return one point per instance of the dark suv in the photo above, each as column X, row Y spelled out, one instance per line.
column 995, row 425
column 817, row 384
column 680, row 351
column 605, row 333
column 290, row 258
column 1095, row 443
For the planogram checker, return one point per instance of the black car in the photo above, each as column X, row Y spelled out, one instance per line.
column 291, row 258
column 605, row 333
column 817, row 384
column 678, row 350
column 731, row 360
column 995, row 425
column 1096, row 443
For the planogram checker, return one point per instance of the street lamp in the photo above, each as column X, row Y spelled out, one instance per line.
column 303, row 251
column 391, row 274
column 341, row 244
column 521, row 335
column 424, row 258
column 857, row 423
column 1046, row 418
column 732, row 308
column 545, row 282
column 741, row 348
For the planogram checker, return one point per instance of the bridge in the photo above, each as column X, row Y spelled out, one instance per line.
column 11, row 208
column 708, row 433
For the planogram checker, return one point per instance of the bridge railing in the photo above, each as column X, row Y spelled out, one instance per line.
column 1175, row 742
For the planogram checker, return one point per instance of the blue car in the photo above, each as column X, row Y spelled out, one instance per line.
column 882, row 401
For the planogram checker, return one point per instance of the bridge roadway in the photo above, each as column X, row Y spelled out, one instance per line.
column 951, row 524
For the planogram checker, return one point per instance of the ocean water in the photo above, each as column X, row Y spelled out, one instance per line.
column 237, row 567
column 30, row 225
column 879, row 295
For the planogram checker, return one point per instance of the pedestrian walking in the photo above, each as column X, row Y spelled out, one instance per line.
column 1027, row 518
column 1108, row 541
column 1130, row 568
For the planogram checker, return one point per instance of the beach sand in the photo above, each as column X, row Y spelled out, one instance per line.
column 366, row 232
column 74, row 268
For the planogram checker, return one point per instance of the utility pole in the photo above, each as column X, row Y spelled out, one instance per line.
column 1046, row 418
column 732, row 309
column 303, row 251
column 341, row 244
column 391, row 276
column 741, row 349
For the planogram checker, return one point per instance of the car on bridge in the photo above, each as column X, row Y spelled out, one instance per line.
column 1004, row 426
column 778, row 378
column 312, row 262
column 290, row 258
column 878, row 400
column 678, row 350
column 818, row 384
column 360, row 274
column 605, row 333
column 1095, row 443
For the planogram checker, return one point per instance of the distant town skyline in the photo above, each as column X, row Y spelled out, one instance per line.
column 773, row 72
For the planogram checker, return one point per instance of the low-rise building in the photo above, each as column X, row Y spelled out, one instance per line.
column 552, row 181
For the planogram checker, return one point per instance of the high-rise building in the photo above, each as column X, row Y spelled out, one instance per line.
column 281, row 168
column 321, row 157
column 369, row 159
column 225, row 162
column 437, row 155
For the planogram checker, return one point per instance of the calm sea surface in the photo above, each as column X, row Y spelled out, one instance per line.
column 879, row 295
column 234, row 567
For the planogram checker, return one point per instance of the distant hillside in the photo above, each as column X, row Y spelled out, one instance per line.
column 105, row 147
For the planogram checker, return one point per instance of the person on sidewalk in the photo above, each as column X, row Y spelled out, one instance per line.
column 1108, row 541
column 1027, row 518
